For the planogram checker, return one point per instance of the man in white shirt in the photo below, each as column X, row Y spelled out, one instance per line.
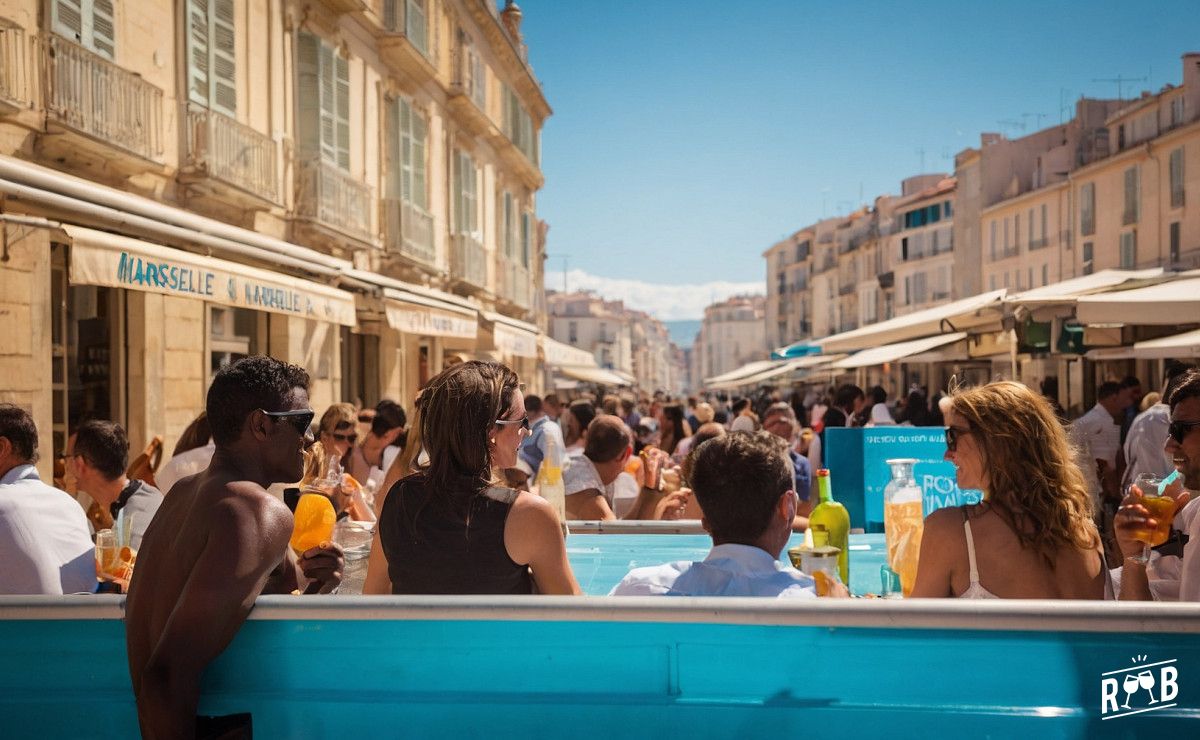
column 1097, row 437
column 744, row 483
column 98, row 457
column 590, row 481
column 1144, row 445
column 1164, row 580
column 45, row 547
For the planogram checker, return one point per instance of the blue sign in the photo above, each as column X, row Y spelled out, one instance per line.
column 857, row 462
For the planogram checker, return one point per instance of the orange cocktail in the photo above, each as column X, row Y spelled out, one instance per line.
column 313, row 522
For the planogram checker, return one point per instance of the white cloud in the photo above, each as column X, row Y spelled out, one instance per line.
column 665, row 301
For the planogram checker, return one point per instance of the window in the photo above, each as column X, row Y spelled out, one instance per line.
column 1006, row 237
column 518, row 126
column 412, row 14
column 323, row 101
column 947, row 211
column 1087, row 258
column 88, row 23
column 467, row 215
column 1128, row 250
column 526, row 238
column 1045, row 274
column 1130, row 215
column 1087, row 209
column 407, row 144
column 211, row 55
column 1176, row 168
column 233, row 333
column 1030, row 241
column 508, row 225
column 1044, row 239
column 1174, row 253
column 573, row 332
column 1016, row 233
column 993, row 240
column 1177, row 111
column 472, row 74
column 904, row 249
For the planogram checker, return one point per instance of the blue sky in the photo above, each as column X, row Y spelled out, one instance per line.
column 687, row 137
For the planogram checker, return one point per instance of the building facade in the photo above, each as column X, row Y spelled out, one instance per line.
column 732, row 334
column 350, row 186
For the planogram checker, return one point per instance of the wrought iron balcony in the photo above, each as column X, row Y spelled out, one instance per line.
column 18, row 66
column 408, row 231
column 468, row 261
column 515, row 285
column 93, row 96
column 330, row 197
column 223, row 149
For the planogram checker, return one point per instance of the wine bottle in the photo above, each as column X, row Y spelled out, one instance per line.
column 830, row 521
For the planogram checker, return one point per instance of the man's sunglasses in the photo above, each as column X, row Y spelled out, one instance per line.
column 523, row 421
column 952, row 435
column 366, row 418
column 1179, row 429
column 300, row 419
column 351, row 438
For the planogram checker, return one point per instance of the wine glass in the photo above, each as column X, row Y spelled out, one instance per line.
column 1130, row 685
column 1146, row 681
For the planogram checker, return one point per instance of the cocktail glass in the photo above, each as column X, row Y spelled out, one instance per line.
column 1162, row 510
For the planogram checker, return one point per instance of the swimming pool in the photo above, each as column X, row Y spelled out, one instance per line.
column 598, row 667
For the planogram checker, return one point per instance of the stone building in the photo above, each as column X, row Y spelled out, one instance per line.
column 345, row 184
column 732, row 334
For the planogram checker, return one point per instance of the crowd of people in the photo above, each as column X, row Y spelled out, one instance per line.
column 455, row 496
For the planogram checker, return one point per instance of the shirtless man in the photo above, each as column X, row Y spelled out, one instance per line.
column 217, row 542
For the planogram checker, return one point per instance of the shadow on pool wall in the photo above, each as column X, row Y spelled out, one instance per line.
column 498, row 667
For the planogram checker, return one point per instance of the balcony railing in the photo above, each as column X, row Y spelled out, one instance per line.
column 96, row 97
column 17, row 66
column 468, row 260
column 408, row 230
column 231, row 152
column 332, row 198
column 515, row 284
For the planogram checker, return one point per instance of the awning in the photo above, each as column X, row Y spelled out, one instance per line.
column 511, row 336
column 792, row 351
column 1164, row 303
column 898, row 351
column 745, row 371
column 1069, row 290
column 587, row 374
column 968, row 313
column 111, row 260
column 782, row 367
column 413, row 313
column 1178, row 346
column 557, row 354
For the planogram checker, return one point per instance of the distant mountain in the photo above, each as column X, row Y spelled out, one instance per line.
column 683, row 332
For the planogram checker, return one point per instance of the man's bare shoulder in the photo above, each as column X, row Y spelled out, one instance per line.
column 245, row 505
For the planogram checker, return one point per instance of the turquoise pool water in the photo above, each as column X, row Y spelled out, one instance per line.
column 600, row 561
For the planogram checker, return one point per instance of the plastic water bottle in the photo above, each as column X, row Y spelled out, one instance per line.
column 550, row 481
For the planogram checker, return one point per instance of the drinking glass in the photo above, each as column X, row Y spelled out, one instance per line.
column 1161, row 508
column 106, row 554
column 313, row 522
column 1146, row 681
column 1130, row 684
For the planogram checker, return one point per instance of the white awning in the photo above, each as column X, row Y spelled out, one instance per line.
column 967, row 313
column 1177, row 346
column 1165, row 303
column 596, row 375
column 557, row 354
column 744, row 371
column 781, row 367
column 512, row 336
column 111, row 260
column 420, row 315
column 898, row 351
column 1069, row 290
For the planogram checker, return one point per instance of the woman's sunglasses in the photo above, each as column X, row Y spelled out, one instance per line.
column 1179, row 429
column 351, row 438
column 523, row 421
column 300, row 419
column 952, row 435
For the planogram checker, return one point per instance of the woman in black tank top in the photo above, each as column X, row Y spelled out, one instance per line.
column 442, row 529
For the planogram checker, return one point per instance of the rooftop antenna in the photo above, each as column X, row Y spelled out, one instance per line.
column 1009, row 123
column 1120, row 80
column 1064, row 104
column 1037, row 119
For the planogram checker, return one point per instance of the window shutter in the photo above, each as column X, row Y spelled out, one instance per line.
column 198, row 51
column 461, row 177
column 328, row 104
column 391, row 139
column 526, row 239
column 419, row 185
column 223, row 45
column 404, row 109
column 103, row 37
column 67, row 19
column 342, row 110
column 308, row 96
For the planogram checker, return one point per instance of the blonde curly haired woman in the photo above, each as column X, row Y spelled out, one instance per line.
column 1033, row 535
